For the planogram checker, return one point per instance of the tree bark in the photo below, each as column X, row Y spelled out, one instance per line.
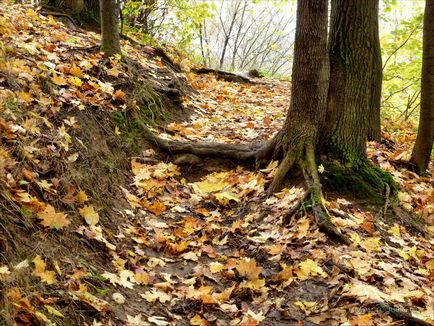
column 425, row 135
column 310, row 73
column 374, row 124
column 109, row 27
column 350, row 79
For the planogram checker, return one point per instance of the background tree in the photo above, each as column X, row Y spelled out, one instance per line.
column 176, row 22
column 109, row 27
column 425, row 135
column 241, row 35
column 401, row 46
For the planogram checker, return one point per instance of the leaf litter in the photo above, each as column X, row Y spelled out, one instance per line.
column 198, row 251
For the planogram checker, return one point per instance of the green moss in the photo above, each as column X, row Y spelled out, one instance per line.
column 364, row 181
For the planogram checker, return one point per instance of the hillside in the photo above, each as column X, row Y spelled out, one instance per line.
column 100, row 228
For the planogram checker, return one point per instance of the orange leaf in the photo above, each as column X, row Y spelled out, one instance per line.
column 247, row 268
column 53, row 220
column 198, row 320
column 58, row 80
column 119, row 95
column 362, row 320
column 156, row 207
column 76, row 71
column 250, row 125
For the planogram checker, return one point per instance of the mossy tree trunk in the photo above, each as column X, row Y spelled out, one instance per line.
column 109, row 12
column 354, row 63
column 425, row 135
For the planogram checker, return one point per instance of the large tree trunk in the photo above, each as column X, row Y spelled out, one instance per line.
column 374, row 124
column 109, row 27
column 425, row 135
column 351, row 50
column 310, row 73
column 350, row 79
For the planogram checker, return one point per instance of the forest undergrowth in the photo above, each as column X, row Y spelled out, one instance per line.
column 99, row 228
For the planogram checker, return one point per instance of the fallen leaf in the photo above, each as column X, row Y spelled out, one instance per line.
column 88, row 213
column 48, row 277
column 58, row 80
column 53, row 220
column 309, row 268
column 247, row 268
column 118, row 298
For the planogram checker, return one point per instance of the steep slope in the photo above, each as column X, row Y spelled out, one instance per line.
column 68, row 123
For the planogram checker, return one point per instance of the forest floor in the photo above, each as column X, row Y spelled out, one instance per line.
column 98, row 228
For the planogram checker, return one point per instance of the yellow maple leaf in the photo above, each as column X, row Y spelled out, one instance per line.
column 88, row 213
column 302, row 227
column 156, row 207
column 198, row 320
column 284, row 275
column 430, row 264
column 306, row 306
column 309, row 268
column 77, row 82
column 371, row 244
column 153, row 295
column 225, row 197
column 48, row 277
column 76, row 71
column 362, row 320
column 247, row 267
column 141, row 277
column 365, row 291
column 394, row 230
column 82, row 197
column 58, row 80
column 216, row 267
column 407, row 252
column 25, row 96
column 53, row 220
column 213, row 183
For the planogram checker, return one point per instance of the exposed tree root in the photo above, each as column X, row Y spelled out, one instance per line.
column 301, row 154
column 247, row 153
column 310, row 172
column 408, row 220
column 57, row 14
column 225, row 75
column 394, row 312
column 282, row 171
